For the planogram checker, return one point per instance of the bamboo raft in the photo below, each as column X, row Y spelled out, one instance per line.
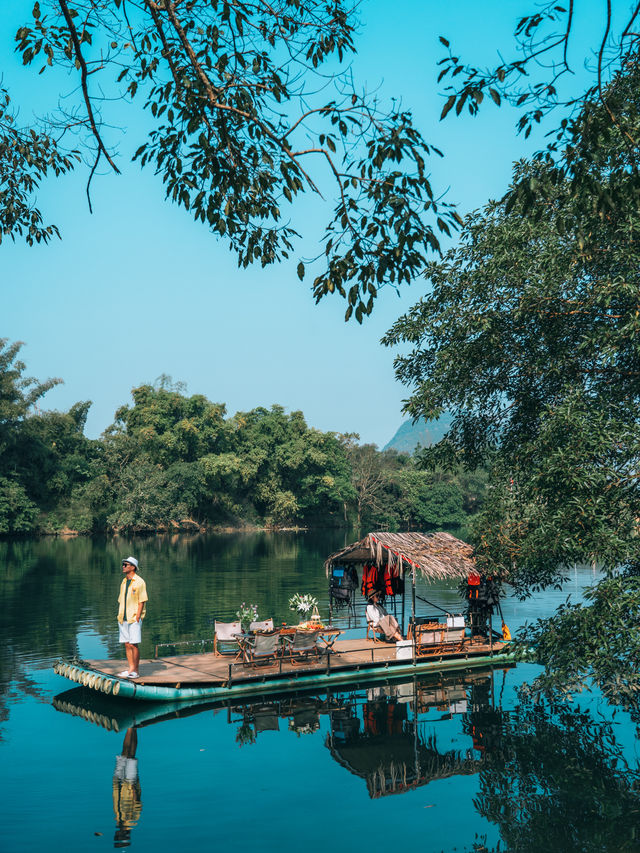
column 189, row 678
column 211, row 676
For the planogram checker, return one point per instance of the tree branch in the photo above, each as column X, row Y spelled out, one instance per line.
column 213, row 92
column 85, row 92
column 603, row 44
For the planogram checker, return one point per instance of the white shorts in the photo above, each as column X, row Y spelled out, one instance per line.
column 126, row 769
column 130, row 633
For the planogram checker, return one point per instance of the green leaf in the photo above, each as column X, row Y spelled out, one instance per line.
column 447, row 107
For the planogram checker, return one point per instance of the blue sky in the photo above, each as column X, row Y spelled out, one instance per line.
column 138, row 289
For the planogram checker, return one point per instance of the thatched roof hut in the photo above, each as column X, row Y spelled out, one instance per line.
column 437, row 556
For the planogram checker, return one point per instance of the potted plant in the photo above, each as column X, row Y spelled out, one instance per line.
column 247, row 613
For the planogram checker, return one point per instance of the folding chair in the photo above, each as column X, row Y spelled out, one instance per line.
column 225, row 639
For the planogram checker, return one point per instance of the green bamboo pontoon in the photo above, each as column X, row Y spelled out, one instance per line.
column 190, row 677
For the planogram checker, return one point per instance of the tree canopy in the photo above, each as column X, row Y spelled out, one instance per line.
column 249, row 105
column 530, row 335
column 551, row 41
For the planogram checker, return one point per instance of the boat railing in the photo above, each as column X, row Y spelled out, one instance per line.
column 353, row 658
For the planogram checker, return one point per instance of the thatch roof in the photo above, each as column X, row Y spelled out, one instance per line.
column 437, row 556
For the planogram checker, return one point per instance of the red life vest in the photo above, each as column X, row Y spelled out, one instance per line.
column 388, row 583
column 370, row 720
column 369, row 580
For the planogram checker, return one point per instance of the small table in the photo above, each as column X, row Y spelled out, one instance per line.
column 328, row 635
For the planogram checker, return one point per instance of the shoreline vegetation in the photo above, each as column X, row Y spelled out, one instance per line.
column 186, row 526
column 172, row 463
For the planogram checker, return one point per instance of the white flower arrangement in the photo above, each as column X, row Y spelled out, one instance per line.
column 303, row 604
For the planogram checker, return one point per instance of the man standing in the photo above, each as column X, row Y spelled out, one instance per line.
column 131, row 611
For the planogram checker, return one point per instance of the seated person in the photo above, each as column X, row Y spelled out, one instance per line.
column 381, row 620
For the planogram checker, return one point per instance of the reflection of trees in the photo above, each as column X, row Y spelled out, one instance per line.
column 41, row 606
column 559, row 782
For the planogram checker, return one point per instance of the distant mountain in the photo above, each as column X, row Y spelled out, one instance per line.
column 410, row 435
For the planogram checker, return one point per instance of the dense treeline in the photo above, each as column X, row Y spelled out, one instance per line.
column 170, row 461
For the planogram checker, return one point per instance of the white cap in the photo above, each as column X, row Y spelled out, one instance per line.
column 131, row 560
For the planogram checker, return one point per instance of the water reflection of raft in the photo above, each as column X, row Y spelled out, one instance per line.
column 423, row 694
column 118, row 715
column 383, row 733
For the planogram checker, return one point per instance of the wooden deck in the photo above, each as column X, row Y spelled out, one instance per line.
column 347, row 655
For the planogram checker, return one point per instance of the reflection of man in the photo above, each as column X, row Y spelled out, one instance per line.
column 131, row 609
column 127, row 804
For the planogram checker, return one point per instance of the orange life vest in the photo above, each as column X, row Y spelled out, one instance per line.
column 388, row 584
column 369, row 580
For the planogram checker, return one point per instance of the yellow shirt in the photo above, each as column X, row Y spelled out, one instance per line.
column 127, row 803
column 137, row 593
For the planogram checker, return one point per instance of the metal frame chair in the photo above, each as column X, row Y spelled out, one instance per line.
column 300, row 645
column 225, row 639
column 262, row 648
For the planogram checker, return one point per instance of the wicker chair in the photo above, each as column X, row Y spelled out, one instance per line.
column 375, row 629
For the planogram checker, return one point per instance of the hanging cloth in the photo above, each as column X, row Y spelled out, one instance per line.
column 397, row 583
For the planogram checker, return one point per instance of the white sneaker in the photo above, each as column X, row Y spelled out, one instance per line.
column 124, row 674
column 132, row 675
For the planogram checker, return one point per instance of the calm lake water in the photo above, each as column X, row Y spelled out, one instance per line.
column 430, row 765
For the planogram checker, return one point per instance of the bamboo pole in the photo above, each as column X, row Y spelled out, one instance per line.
column 413, row 609
column 402, row 569
column 330, row 598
